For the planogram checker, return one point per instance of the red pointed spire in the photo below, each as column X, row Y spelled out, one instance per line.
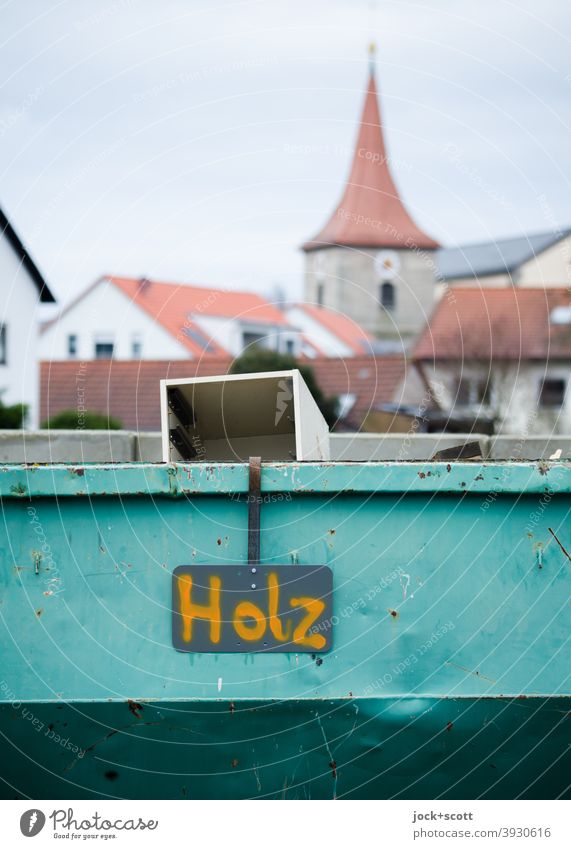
column 371, row 213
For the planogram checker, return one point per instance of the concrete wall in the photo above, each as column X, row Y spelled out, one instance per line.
column 99, row 446
column 68, row 446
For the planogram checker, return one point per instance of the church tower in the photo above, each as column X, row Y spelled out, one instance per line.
column 371, row 261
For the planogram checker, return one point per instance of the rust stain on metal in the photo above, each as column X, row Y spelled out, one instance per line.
column 394, row 613
column 39, row 612
column 449, row 726
column 333, row 768
column 135, row 708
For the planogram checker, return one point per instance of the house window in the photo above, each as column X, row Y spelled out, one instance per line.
column 136, row 347
column 472, row 391
column 552, row 392
column 3, row 344
column 290, row 346
column 320, row 294
column 387, row 296
column 104, row 350
column 72, row 345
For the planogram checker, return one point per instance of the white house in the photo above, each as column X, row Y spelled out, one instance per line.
column 126, row 318
column 23, row 288
column 502, row 353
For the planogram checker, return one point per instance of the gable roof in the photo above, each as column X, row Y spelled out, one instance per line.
column 498, row 257
column 371, row 212
column 173, row 306
column 6, row 228
column 341, row 326
column 500, row 323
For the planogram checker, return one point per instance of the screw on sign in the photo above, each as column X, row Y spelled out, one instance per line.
column 32, row 822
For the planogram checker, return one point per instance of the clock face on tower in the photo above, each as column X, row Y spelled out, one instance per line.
column 387, row 264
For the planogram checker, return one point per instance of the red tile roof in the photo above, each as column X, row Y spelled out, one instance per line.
column 500, row 323
column 173, row 304
column 340, row 325
column 161, row 300
column 129, row 390
column 372, row 380
column 126, row 389
column 370, row 212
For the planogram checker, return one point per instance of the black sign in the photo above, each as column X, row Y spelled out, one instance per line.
column 252, row 608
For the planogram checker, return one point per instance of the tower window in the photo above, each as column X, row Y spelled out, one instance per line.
column 387, row 296
column 320, row 294
column 72, row 345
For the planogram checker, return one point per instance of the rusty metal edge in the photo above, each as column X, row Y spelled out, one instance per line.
column 181, row 480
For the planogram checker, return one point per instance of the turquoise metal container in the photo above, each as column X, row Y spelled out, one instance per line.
column 448, row 675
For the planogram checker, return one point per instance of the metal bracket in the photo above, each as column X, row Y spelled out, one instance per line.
column 254, row 504
column 182, row 443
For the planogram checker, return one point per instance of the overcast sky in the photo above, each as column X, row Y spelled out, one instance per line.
column 204, row 141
